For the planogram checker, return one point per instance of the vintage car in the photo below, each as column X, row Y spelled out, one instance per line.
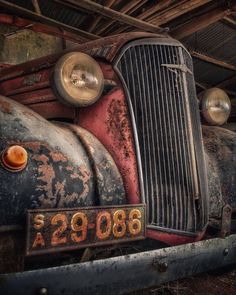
column 104, row 153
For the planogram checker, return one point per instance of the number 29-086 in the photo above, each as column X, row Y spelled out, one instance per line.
column 67, row 228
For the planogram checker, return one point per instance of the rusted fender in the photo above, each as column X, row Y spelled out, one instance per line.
column 62, row 169
column 109, row 182
column 220, row 147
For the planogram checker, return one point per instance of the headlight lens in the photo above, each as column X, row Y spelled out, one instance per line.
column 78, row 79
column 215, row 106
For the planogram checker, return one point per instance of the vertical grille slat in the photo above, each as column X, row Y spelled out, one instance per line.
column 161, row 107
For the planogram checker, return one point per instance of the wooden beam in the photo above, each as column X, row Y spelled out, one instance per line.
column 226, row 82
column 230, row 20
column 98, row 18
column 36, row 6
column 125, row 9
column 28, row 13
column 177, row 11
column 200, row 85
column 153, row 9
column 199, row 23
column 212, row 60
column 204, row 86
column 113, row 14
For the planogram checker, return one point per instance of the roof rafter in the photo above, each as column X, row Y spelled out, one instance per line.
column 200, row 22
column 113, row 14
column 212, row 60
column 47, row 20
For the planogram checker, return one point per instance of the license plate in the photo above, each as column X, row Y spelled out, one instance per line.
column 53, row 230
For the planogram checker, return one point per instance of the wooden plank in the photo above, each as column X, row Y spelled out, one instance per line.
column 36, row 6
column 126, row 9
column 212, row 60
column 200, row 85
column 230, row 20
column 137, row 6
column 177, row 11
column 98, row 18
column 204, row 86
column 155, row 8
column 199, row 23
column 227, row 82
column 115, row 15
column 47, row 20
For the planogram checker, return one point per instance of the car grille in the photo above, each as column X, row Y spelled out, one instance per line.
column 161, row 92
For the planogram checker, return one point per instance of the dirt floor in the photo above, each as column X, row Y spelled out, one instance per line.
column 214, row 283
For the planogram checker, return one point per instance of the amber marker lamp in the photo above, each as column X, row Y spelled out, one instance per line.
column 14, row 158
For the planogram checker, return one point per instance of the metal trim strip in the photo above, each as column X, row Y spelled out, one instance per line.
column 124, row 273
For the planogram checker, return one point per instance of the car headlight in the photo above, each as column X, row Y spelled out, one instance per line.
column 78, row 79
column 215, row 106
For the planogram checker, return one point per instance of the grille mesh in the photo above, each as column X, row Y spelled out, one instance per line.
column 160, row 101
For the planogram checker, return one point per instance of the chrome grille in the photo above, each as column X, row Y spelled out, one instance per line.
column 157, row 81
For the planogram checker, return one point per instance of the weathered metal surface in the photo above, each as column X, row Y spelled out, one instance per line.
column 59, row 172
column 26, row 83
column 34, row 97
column 53, row 110
column 171, row 159
column 108, row 180
column 11, row 252
column 125, row 273
column 226, row 221
column 171, row 238
column 109, row 120
column 63, row 230
column 220, row 148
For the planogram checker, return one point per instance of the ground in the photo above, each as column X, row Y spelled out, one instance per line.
column 214, row 283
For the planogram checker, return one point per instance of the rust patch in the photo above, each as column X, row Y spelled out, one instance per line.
column 85, row 177
column 118, row 125
column 47, row 175
column 58, row 157
column 69, row 168
column 5, row 107
column 41, row 158
column 53, row 191
column 34, row 146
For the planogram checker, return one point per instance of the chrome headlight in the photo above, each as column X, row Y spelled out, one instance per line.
column 78, row 79
column 215, row 106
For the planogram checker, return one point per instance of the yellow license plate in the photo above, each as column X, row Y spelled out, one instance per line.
column 52, row 230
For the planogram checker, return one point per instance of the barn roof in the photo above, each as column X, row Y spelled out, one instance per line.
column 206, row 27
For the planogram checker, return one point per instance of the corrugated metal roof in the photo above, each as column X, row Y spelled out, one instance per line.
column 63, row 14
column 218, row 40
column 210, row 74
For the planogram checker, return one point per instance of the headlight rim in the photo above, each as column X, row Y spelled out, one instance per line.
column 205, row 107
column 59, row 84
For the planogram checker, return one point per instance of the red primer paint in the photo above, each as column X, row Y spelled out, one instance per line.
column 109, row 121
column 173, row 239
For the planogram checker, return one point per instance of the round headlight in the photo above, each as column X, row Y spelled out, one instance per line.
column 78, row 79
column 215, row 106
